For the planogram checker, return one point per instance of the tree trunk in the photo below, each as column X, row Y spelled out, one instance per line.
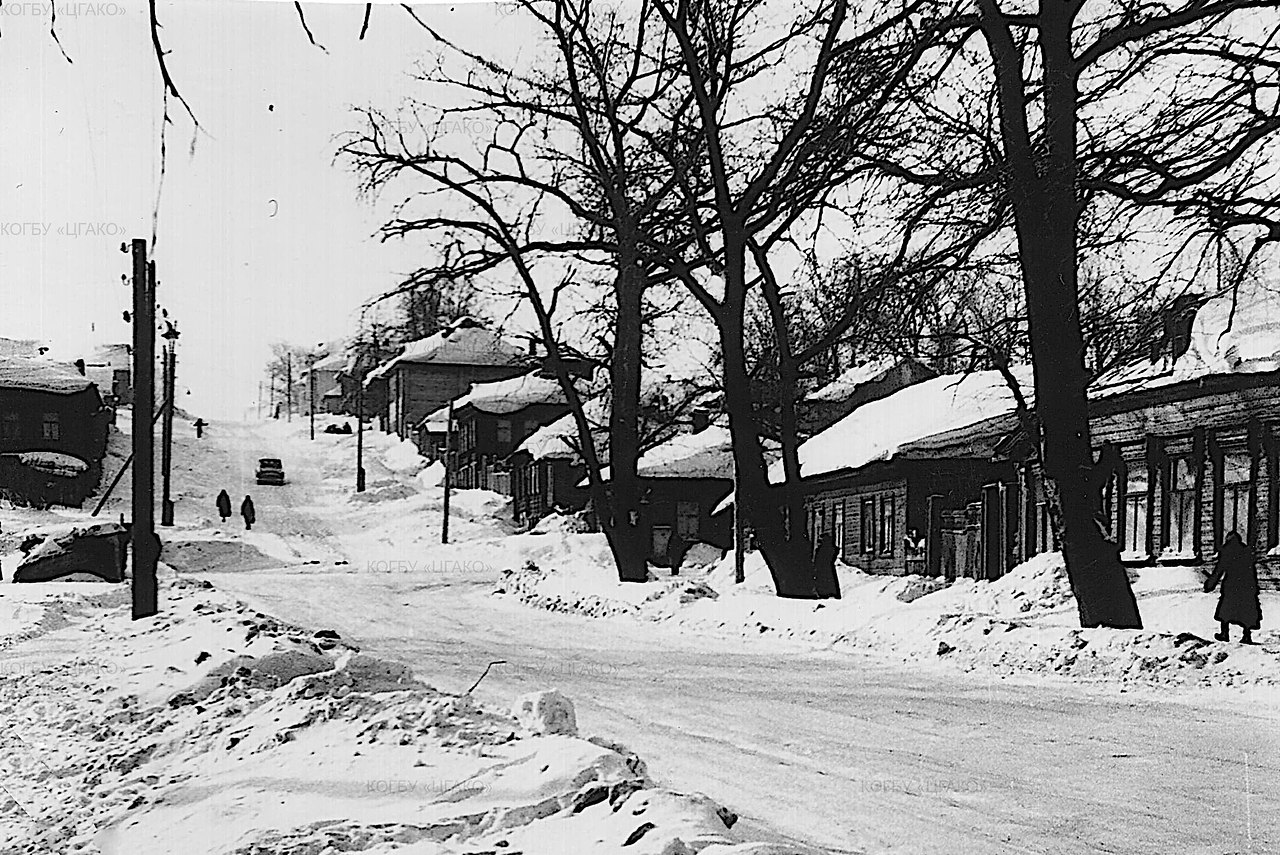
column 1047, row 211
column 769, row 510
column 627, row 536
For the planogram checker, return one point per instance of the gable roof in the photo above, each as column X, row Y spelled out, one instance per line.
column 1247, row 342
column 41, row 375
column 849, row 381
column 879, row 430
column 559, row 439
column 464, row 342
column 509, row 396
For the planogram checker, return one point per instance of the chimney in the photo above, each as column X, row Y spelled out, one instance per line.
column 533, row 346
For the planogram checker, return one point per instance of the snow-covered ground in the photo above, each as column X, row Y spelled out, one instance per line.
column 838, row 724
column 1025, row 623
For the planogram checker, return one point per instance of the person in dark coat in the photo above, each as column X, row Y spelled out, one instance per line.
column 199, row 426
column 224, row 506
column 1238, row 604
column 824, row 566
column 246, row 511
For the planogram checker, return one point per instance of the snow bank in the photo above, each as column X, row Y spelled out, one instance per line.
column 1024, row 623
column 220, row 730
column 403, row 457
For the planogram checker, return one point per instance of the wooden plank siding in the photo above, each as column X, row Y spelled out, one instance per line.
column 1214, row 425
column 909, row 486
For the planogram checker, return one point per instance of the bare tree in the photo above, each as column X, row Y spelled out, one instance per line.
column 553, row 192
column 1089, row 123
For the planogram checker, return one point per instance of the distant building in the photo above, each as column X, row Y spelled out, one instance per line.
column 682, row 481
column 110, row 367
column 430, row 372
column 53, row 432
column 870, row 381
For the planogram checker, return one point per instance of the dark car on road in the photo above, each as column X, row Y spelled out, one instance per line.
column 270, row 471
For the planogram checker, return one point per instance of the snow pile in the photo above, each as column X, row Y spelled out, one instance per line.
column 431, row 476
column 54, row 462
column 403, row 457
column 546, row 712
column 1024, row 623
column 554, row 523
column 217, row 729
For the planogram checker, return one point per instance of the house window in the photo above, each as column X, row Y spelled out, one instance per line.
column 868, row 526
column 504, row 431
column 687, row 520
column 888, row 519
column 837, row 524
column 1235, row 494
column 1180, row 507
column 1134, row 541
column 11, row 426
column 51, row 428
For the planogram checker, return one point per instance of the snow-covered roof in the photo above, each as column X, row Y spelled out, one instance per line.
column 849, row 381
column 1249, row 343
column 878, row 430
column 705, row 454
column 41, row 375
column 53, row 462
column 437, row 422
column 559, row 440
column 464, row 342
column 508, row 396
column 19, row 347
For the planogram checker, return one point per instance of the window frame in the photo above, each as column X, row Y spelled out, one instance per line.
column 867, row 525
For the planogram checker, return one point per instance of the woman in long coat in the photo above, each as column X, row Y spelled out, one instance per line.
column 246, row 511
column 1238, row 603
column 224, row 506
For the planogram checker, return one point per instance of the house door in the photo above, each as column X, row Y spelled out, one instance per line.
column 661, row 540
column 995, row 530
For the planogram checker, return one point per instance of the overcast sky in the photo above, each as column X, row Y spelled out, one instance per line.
column 261, row 235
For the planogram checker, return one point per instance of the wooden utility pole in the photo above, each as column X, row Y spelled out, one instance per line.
column 166, row 428
column 311, row 394
column 288, row 387
column 145, row 545
column 448, row 473
column 360, row 437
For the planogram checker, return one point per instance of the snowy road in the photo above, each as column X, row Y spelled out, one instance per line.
column 836, row 750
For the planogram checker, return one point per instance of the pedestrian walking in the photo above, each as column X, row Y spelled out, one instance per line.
column 224, row 506
column 246, row 511
column 199, row 425
column 1238, row 603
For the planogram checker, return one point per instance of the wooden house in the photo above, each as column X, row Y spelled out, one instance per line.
column 875, row 481
column 1188, row 443
column 490, row 422
column 430, row 372
column 683, row 479
column 53, row 432
column 1191, row 442
column 547, row 472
